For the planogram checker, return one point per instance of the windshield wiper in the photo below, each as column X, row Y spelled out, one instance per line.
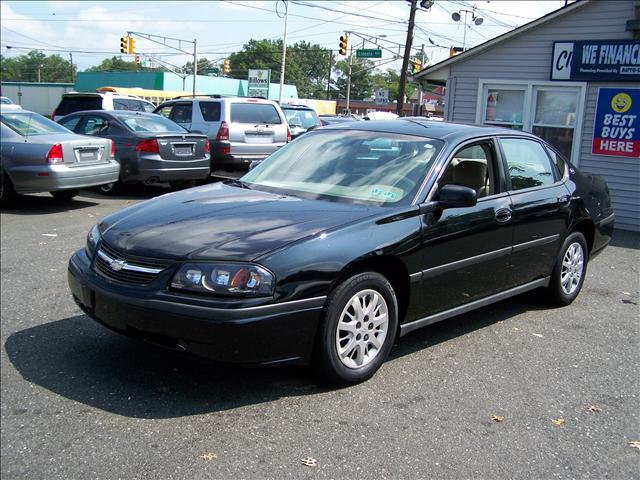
column 237, row 183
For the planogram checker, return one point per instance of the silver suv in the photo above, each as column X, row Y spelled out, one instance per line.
column 72, row 102
column 241, row 130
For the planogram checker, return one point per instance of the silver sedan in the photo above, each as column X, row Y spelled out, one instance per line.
column 38, row 155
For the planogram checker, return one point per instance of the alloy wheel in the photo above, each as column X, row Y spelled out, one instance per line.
column 572, row 268
column 362, row 328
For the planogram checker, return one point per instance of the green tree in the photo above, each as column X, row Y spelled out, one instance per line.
column 361, row 78
column 36, row 66
column 307, row 65
column 115, row 64
column 203, row 65
column 390, row 80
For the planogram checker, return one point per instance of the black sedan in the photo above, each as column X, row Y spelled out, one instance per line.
column 342, row 241
column 149, row 147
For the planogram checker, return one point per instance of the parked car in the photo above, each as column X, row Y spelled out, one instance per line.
column 150, row 148
column 380, row 116
column 344, row 240
column 7, row 104
column 241, row 130
column 300, row 118
column 333, row 119
column 72, row 102
column 38, row 155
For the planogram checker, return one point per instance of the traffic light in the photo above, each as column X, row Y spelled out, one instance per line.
column 226, row 66
column 416, row 66
column 344, row 42
column 132, row 45
column 453, row 51
column 124, row 44
column 136, row 59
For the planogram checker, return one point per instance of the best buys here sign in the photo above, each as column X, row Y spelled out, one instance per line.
column 616, row 130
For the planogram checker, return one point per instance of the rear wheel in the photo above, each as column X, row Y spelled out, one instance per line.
column 7, row 192
column 570, row 270
column 64, row 195
column 110, row 188
column 358, row 329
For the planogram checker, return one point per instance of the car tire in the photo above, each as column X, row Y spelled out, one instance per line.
column 64, row 195
column 7, row 192
column 570, row 270
column 353, row 342
column 110, row 188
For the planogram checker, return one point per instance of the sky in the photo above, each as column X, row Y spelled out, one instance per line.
column 91, row 31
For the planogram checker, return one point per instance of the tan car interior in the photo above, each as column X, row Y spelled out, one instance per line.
column 470, row 168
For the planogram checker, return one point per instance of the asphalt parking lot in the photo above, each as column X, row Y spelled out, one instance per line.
column 514, row 390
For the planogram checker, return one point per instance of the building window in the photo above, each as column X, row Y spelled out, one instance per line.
column 505, row 107
column 555, row 116
column 551, row 111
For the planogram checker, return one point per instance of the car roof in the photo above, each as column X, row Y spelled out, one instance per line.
column 208, row 98
column 114, row 113
column 428, row 128
column 287, row 106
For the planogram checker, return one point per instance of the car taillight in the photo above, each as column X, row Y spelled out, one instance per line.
column 150, row 146
column 223, row 133
column 113, row 149
column 55, row 155
column 207, row 146
column 288, row 134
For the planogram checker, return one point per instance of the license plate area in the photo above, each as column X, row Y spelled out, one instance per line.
column 91, row 154
column 183, row 149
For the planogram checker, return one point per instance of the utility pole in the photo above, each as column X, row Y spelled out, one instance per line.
column 349, row 78
column 284, row 49
column 73, row 80
column 329, row 76
column 195, row 67
column 405, row 60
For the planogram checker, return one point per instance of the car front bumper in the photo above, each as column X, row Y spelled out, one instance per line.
column 47, row 178
column 271, row 334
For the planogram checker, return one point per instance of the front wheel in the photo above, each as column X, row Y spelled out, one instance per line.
column 570, row 269
column 64, row 195
column 112, row 188
column 358, row 329
column 7, row 192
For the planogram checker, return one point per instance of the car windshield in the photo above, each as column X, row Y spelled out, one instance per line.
column 304, row 118
column 155, row 124
column 348, row 165
column 29, row 123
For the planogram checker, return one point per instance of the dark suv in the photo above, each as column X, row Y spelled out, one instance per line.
column 301, row 119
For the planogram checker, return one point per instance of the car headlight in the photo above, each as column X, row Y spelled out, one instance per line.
column 224, row 279
column 93, row 237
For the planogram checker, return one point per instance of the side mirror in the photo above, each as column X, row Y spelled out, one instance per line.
column 451, row 196
column 312, row 127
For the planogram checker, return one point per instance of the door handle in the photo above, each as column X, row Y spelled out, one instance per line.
column 564, row 200
column 503, row 215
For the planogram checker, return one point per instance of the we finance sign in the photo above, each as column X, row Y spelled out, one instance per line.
column 596, row 60
column 615, row 129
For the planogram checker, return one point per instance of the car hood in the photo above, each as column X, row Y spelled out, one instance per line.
column 221, row 221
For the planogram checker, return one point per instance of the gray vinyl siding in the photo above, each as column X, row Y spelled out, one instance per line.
column 527, row 57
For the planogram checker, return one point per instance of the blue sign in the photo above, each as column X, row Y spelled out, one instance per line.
column 615, row 128
column 617, row 60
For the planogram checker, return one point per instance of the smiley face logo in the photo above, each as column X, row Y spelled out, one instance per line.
column 621, row 103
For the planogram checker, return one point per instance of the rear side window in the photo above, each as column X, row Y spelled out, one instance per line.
column 70, row 123
column 78, row 104
column 254, row 113
column 181, row 113
column 95, row 126
column 164, row 110
column 304, row 118
column 210, row 111
column 528, row 163
column 559, row 161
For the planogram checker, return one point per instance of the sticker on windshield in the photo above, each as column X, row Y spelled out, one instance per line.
column 386, row 194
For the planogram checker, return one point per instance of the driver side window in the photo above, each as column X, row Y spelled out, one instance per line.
column 473, row 166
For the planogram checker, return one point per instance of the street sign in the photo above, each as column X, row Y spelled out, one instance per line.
column 369, row 53
column 213, row 71
column 258, row 83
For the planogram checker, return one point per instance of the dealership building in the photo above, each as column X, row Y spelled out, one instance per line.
column 571, row 77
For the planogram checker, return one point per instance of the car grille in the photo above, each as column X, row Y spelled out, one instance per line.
column 113, row 265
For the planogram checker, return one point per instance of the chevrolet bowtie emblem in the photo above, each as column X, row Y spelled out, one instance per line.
column 117, row 265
